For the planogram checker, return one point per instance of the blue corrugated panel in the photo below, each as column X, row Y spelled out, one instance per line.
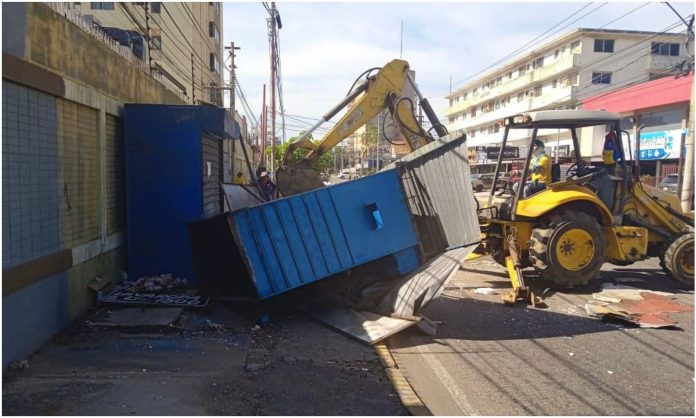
column 164, row 182
column 304, row 238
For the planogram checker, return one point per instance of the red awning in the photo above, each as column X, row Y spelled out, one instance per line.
column 655, row 93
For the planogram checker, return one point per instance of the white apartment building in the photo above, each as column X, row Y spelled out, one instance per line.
column 558, row 75
column 185, row 41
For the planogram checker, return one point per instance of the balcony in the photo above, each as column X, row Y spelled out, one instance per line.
column 560, row 65
column 662, row 62
column 506, row 87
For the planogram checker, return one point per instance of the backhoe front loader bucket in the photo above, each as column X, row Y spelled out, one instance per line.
column 298, row 178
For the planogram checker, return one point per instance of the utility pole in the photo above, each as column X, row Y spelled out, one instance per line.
column 193, row 81
column 147, row 29
column 264, row 129
column 272, row 34
column 233, row 79
column 401, row 40
column 687, row 191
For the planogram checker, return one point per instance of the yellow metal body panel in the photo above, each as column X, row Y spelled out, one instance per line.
column 512, row 272
column 642, row 205
column 550, row 199
column 473, row 256
column 383, row 88
column 626, row 243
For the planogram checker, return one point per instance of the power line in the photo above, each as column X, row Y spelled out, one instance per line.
column 175, row 42
column 538, row 39
column 195, row 52
column 585, row 69
column 589, row 67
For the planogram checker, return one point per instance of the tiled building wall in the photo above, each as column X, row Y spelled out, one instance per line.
column 31, row 216
column 115, row 187
column 78, row 172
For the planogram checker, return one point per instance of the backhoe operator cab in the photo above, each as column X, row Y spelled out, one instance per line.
column 596, row 214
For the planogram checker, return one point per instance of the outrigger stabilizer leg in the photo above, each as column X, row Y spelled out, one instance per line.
column 520, row 291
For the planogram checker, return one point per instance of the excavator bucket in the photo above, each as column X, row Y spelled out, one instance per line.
column 298, row 178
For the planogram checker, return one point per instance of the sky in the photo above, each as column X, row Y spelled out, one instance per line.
column 325, row 46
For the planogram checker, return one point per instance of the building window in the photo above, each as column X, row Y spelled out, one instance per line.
column 214, row 63
column 213, row 31
column 102, row 6
column 156, row 7
column 497, row 105
column 520, row 97
column 539, row 62
column 659, row 48
column 603, row 45
column 156, row 43
column 472, row 113
column 537, row 90
column 662, row 121
column 575, row 47
column 464, row 96
column 556, row 53
column 509, row 75
column 601, row 78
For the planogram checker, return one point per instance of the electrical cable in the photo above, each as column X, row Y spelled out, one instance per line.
column 607, row 24
column 175, row 66
column 522, row 48
column 582, row 70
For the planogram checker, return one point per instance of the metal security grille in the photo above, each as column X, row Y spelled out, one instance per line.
column 115, row 192
column 30, row 196
column 212, row 196
column 78, row 172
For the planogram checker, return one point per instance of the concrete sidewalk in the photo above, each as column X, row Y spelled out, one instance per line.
column 208, row 363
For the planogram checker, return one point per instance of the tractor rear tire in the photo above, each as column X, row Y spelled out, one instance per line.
column 678, row 259
column 570, row 251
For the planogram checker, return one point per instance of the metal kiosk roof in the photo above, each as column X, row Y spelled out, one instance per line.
column 562, row 119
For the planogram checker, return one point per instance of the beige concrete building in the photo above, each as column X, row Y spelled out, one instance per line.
column 185, row 41
column 558, row 75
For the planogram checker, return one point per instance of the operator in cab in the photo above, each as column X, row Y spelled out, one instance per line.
column 539, row 170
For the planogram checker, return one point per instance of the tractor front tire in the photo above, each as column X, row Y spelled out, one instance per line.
column 570, row 251
column 678, row 259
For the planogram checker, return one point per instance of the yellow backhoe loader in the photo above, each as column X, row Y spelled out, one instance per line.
column 383, row 90
column 596, row 214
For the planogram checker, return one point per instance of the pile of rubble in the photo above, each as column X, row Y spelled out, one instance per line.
column 163, row 283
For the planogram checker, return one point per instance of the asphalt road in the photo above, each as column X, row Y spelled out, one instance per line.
column 491, row 359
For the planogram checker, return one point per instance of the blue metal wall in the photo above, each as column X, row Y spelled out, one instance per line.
column 301, row 239
column 164, row 172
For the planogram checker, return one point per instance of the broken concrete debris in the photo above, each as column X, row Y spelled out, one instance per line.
column 647, row 309
column 159, row 283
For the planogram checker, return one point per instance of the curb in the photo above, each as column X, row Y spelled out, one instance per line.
column 408, row 396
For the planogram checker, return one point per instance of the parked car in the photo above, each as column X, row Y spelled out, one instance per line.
column 476, row 184
column 670, row 183
column 487, row 180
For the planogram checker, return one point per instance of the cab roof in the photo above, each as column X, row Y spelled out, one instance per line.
column 567, row 118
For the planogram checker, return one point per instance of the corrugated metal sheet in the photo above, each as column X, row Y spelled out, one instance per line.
column 301, row 239
column 437, row 182
column 211, row 152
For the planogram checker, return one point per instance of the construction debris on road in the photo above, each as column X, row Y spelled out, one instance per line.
column 647, row 309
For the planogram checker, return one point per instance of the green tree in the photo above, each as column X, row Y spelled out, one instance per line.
column 323, row 164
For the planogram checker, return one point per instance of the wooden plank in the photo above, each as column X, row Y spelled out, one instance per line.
column 25, row 274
